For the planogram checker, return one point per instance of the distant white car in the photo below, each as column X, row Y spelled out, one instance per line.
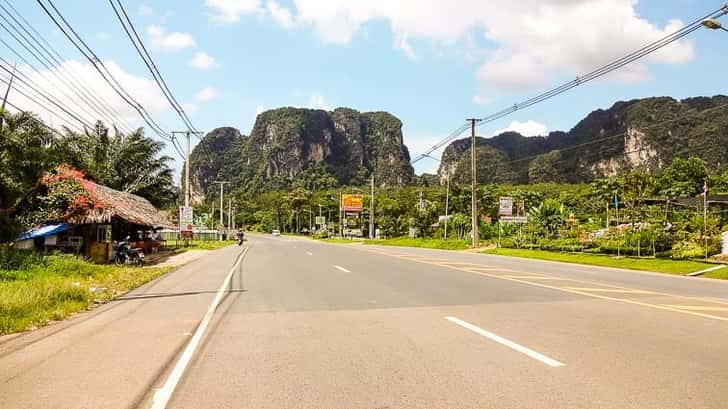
column 276, row 232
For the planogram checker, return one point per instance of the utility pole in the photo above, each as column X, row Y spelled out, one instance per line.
column 474, row 183
column 371, row 212
column 187, row 163
column 5, row 98
column 341, row 219
column 447, row 202
column 222, row 202
column 230, row 212
column 705, row 217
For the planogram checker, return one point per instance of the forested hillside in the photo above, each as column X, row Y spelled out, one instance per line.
column 313, row 149
column 646, row 133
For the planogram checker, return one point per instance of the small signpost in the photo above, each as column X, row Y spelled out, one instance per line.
column 186, row 220
column 320, row 220
column 505, row 206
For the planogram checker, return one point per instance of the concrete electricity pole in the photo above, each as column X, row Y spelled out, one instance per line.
column 222, row 202
column 474, row 184
column 371, row 212
column 187, row 162
column 5, row 98
column 447, row 202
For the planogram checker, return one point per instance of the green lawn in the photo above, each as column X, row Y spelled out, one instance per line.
column 424, row 243
column 645, row 264
column 36, row 290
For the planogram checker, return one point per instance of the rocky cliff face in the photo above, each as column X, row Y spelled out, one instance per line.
column 314, row 148
column 639, row 133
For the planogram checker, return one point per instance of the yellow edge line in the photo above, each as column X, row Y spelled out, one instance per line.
column 586, row 294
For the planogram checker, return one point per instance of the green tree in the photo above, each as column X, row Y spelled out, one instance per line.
column 548, row 218
column 459, row 224
column 132, row 163
column 26, row 151
column 684, row 177
column 544, row 168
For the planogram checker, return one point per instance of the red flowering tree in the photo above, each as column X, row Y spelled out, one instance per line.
column 64, row 192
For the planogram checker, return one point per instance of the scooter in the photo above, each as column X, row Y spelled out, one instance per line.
column 241, row 238
column 124, row 254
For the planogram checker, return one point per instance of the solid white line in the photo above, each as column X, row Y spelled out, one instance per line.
column 162, row 396
column 510, row 344
column 707, row 270
column 342, row 269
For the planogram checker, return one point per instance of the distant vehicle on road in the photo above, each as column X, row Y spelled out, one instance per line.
column 276, row 232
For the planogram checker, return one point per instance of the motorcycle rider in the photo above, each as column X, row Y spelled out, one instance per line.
column 241, row 237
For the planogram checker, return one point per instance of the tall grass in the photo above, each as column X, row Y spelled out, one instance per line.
column 35, row 290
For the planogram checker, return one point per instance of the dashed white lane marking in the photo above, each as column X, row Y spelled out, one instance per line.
column 309, row 253
column 342, row 269
column 163, row 394
column 510, row 344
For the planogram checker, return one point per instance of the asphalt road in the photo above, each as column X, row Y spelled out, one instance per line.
column 305, row 324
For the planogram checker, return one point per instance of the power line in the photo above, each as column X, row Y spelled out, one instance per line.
column 621, row 134
column 66, row 76
column 46, row 97
column 41, row 123
column 32, row 99
column 88, row 53
column 149, row 62
column 599, row 72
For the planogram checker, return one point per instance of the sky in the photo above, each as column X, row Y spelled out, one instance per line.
column 431, row 63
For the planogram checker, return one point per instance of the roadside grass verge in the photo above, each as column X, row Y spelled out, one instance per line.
column 38, row 290
column 203, row 245
column 630, row 263
column 423, row 243
column 339, row 241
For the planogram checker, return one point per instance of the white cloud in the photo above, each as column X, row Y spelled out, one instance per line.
column 174, row 41
column 533, row 41
column 259, row 110
column 207, row 94
column 190, row 108
column 144, row 90
column 481, row 100
column 528, row 128
column 145, row 11
column 203, row 61
column 280, row 15
column 229, row 11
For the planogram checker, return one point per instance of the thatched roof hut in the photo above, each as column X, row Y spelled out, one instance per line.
column 123, row 205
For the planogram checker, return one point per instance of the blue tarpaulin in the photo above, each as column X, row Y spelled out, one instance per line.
column 44, row 231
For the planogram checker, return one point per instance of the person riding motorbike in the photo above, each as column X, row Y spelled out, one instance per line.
column 241, row 237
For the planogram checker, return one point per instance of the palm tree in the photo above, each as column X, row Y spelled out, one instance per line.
column 132, row 163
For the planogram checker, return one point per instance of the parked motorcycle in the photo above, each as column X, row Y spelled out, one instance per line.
column 124, row 254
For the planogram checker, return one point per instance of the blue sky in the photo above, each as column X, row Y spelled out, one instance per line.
column 431, row 63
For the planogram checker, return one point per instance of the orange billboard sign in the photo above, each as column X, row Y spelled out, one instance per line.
column 352, row 203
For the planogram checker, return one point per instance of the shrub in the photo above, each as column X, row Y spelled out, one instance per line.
column 686, row 249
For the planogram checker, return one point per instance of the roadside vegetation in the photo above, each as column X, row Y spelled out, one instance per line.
column 429, row 243
column 203, row 245
column 632, row 263
column 35, row 289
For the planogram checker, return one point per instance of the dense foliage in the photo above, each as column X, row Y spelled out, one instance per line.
column 29, row 149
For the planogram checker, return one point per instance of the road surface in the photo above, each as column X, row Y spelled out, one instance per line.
column 304, row 324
